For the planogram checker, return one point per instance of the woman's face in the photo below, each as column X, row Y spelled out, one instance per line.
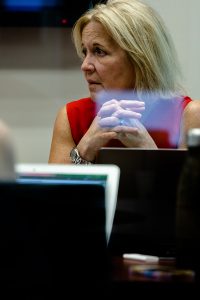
column 105, row 65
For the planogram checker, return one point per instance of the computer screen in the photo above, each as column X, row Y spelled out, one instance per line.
column 39, row 13
column 48, row 232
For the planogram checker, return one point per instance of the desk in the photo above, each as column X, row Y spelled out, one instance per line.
column 124, row 282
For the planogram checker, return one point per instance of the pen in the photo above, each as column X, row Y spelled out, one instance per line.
column 141, row 257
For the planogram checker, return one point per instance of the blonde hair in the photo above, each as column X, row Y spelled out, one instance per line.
column 139, row 30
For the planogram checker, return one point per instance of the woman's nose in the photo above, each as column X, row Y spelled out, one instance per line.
column 87, row 64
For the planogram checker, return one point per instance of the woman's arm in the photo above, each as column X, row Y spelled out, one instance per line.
column 191, row 119
column 62, row 141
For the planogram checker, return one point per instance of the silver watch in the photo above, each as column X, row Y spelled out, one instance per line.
column 77, row 159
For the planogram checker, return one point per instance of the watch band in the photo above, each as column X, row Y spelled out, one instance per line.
column 77, row 159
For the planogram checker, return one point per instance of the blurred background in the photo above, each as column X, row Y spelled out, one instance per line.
column 40, row 71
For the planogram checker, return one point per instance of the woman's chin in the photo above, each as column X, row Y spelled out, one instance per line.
column 94, row 93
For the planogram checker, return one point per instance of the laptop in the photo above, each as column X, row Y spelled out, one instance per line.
column 53, row 230
column 145, row 213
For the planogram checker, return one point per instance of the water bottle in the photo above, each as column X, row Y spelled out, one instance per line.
column 188, row 207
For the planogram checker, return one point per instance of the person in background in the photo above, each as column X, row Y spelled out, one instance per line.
column 124, row 46
column 7, row 153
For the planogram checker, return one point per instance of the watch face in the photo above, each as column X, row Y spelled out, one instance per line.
column 76, row 159
column 75, row 156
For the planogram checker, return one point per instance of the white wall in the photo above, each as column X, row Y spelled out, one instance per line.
column 39, row 72
column 183, row 21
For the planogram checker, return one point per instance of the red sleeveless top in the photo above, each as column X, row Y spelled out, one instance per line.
column 162, row 120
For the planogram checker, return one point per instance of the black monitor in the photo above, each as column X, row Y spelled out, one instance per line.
column 146, row 207
column 39, row 13
column 52, row 237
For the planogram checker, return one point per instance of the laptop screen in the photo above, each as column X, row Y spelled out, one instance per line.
column 63, row 178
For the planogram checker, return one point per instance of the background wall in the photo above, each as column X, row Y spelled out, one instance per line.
column 39, row 72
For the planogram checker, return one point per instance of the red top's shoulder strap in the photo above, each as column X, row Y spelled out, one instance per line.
column 186, row 100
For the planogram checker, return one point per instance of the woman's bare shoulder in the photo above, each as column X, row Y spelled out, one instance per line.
column 193, row 106
column 192, row 114
column 61, row 113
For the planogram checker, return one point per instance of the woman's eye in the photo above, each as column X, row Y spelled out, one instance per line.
column 96, row 51
column 84, row 52
column 99, row 51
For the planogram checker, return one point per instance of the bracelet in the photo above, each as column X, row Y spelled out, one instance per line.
column 77, row 159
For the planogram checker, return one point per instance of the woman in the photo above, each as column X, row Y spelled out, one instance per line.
column 124, row 46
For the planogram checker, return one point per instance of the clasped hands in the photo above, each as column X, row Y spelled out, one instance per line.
column 114, row 113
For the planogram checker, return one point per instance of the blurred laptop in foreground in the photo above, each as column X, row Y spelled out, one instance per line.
column 54, row 229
